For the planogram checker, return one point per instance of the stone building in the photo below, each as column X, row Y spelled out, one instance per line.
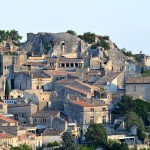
column 86, row 113
column 12, row 127
column 6, row 140
column 22, row 81
column 22, row 111
column 62, row 63
column 48, row 118
column 15, row 93
column 112, row 82
column 3, row 108
column 52, row 135
column 38, row 97
column 138, row 87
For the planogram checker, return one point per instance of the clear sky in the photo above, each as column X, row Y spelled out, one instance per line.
column 127, row 22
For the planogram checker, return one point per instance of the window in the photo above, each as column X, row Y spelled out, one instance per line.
column 103, row 109
column 76, row 64
column 37, row 87
column 62, row 65
column 92, row 109
column 134, row 88
column 42, row 87
column 71, row 64
column 67, row 64
column 104, row 120
column 34, row 120
column 44, row 120
column 91, row 119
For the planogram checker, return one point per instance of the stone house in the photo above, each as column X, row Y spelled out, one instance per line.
column 6, row 140
column 38, row 97
column 22, row 111
column 51, row 135
column 86, row 113
column 41, row 80
column 12, row 127
column 15, row 93
column 112, row 82
column 48, row 118
column 3, row 108
column 138, row 87
column 80, row 88
column 32, row 80
column 31, row 66
column 63, row 63
column 22, row 80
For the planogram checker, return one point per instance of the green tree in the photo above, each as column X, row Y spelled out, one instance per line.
column 113, row 145
column 141, row 135
column 21, row 147
column 15, row 37
column 6, row 90
column 125, row 106
column 96, row 135
column 10, row 35
column 133, row 119
column 86, row 148
column 68, row 142
column 89, row 37
column 71, row 32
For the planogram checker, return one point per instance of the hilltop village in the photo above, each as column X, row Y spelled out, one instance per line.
column 56, row 83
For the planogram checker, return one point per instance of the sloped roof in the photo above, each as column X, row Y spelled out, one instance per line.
column 5, row 135
column 109, row 77
column 140, row 80
column 7, row 119
column 45, row 113
column 52, row 132
column 83, row 103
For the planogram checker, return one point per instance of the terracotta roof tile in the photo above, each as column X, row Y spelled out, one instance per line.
column 5, row 135
column 84, row 103
column 7, row 119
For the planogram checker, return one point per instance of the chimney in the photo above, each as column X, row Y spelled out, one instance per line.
column 78, row 98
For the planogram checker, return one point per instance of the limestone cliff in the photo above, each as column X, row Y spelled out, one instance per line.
column 55, row 44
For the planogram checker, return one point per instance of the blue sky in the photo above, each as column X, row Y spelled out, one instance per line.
column 125, row 21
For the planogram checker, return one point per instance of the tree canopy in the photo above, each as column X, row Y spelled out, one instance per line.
column 133, row 120
column 68, row 142
column 21, row 147
column 71, row 32
column 96, row 135
column 89, row 37
column 10, row 35
column 6, row 90
column 140, row 107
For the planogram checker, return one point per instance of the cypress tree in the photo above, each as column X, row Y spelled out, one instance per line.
column 6, row 90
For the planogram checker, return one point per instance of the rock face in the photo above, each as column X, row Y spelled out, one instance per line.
column 56, row 44
column 118, row 59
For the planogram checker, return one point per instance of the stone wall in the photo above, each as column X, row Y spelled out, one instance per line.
column 139, row 91
column 22, row 81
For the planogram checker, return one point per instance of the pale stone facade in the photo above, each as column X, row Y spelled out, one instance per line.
column 138, row 87
column 85, row 113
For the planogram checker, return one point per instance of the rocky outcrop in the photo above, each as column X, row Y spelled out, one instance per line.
column 55, row 44
column 117, row 58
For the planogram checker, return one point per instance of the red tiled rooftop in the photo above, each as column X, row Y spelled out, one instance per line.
column 5, row 135
column 7, row 119
column 84, row 104
column 76, row 89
